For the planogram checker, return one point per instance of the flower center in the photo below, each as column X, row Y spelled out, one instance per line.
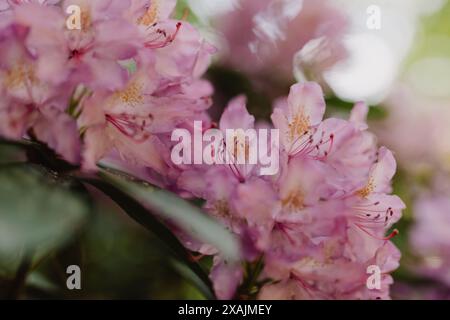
column 20, row 74
column 221, row 209
column 86, row 20
column 150, row 15
column 131, row 95
column 294, row 201
column 367, row 190
column 298, row 126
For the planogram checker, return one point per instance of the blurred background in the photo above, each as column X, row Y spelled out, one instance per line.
column 392, row 54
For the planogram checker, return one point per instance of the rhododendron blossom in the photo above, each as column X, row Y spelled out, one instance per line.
column 117, row 89
column 318, row 224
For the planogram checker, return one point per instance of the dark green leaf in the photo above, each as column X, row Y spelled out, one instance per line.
column 145, row 218
column 38, row 211
column 186, row 216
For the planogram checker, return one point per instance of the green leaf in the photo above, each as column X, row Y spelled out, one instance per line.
column 180, row 9
column 186, row 216
column 144, row 217
column 187, row 273
column 335, row 104
column 10, row 154
column 38, row 211
column 40, row 154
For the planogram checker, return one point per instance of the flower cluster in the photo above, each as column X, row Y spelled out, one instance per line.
column 321, row 221
column 119, row 85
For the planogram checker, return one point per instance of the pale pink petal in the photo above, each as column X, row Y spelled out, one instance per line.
column 383, row 171
column 226, row 278
column 358, row 115
column 307, row 99
column 236, row 115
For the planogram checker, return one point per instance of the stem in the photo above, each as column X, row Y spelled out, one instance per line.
column 253, row 271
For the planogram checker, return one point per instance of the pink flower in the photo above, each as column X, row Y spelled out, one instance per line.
column 298, row 118
column 31, row 106
column 219, row 182
column 412, row 115
column 17, row 83
column 321, row 221
column 90, row 55
column 176, row 46
column 16, row 118
column 256, row 203
column 60, row 132
column 430, row 238
column 7, row 5
column 373, row 209
column 236, row 116
column 133, row 120
column 407, row 291
column 148, row 12
column 226, row 278
column 270, row 33
column 47, row 67
column 127, row 132
column 116, row 89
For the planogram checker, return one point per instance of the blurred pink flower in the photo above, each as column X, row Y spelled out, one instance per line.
column 430, row 239
column 7, row 5
column 30, row 105
column 270, row 33
column 411, row 115
column 406, row 291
